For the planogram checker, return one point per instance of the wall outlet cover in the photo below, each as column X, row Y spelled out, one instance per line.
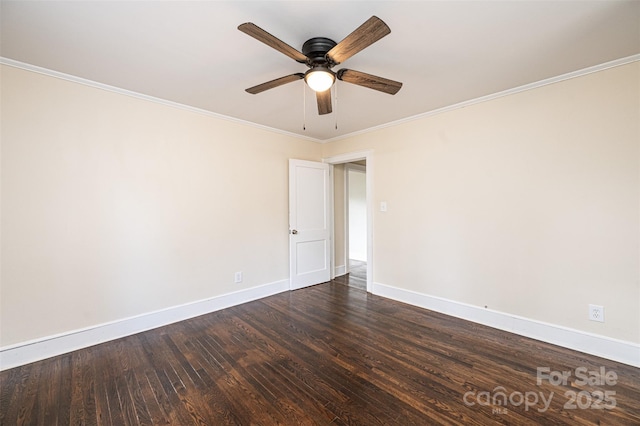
column 596, row 313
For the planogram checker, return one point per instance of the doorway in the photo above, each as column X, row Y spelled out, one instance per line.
column 356, row 223
column 360, row 250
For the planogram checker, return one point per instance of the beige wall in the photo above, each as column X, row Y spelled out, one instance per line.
column 114, row 206
column 527, row 204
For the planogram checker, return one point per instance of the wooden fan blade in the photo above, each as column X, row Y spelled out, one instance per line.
column 324, row 102
column 371, row 81
column 259, row 34
column 363, row 36
column 275, row 83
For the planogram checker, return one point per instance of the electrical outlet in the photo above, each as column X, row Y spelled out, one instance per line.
column 238, row 277
column 596, row 313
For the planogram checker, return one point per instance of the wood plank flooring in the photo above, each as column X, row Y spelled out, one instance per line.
column 328, row 354
column 357, row 276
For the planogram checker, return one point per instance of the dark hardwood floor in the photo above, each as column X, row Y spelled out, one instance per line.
column 328, row 354
column 357, row 276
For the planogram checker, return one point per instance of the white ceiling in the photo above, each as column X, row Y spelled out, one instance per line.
column 190, row 52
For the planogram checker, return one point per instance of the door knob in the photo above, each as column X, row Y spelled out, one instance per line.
column 294, row 231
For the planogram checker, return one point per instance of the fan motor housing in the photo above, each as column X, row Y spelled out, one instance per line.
column 315, row 49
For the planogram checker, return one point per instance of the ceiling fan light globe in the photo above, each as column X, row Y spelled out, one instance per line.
column 320, row 80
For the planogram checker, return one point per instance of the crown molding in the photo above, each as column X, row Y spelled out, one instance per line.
column 508, row 92
column 72, row 78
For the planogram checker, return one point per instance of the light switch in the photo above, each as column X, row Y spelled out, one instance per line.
column 383, row 206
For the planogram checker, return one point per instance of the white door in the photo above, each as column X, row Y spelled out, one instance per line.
column 309, row 227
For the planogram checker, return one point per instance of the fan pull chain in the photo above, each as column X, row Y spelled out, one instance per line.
column 304, row 108
column 335, row 95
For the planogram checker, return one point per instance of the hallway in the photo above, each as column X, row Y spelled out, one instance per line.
column 357, row 276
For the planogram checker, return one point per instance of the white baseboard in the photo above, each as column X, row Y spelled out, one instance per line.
column 605, row 347
column 35, row 350
column 339, row 271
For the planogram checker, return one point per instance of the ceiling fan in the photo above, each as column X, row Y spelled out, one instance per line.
column 321, row 54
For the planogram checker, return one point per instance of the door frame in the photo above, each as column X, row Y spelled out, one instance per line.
column 349, row 157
